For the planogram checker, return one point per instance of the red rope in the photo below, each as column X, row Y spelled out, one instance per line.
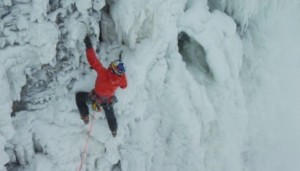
column 86, row 143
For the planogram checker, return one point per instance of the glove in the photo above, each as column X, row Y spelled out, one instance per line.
column 87, row 42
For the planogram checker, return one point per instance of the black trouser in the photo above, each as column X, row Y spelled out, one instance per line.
column 81, row 101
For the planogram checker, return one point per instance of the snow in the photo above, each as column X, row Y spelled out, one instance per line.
column 38, row 10
column 7, row 2
column 211, row 85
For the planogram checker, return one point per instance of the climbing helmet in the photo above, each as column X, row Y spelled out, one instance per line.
column 117, row 66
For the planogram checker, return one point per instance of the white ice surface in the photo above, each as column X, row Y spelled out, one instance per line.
column 242, row 115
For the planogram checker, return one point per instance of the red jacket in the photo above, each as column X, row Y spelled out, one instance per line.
column 107, row 82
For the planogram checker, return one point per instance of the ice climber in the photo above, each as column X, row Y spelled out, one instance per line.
column 103, row 95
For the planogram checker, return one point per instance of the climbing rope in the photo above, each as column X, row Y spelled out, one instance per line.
column 86, row 142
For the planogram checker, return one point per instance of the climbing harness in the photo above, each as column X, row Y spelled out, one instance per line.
column 97, row 101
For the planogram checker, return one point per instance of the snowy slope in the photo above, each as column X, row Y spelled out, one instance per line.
column 207, row 90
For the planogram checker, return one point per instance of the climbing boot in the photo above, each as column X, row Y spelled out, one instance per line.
column 85, row 119
column 114, row 133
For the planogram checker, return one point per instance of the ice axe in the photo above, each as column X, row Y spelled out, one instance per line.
column 120, row 56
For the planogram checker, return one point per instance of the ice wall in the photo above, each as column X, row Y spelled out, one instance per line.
column 37, row 51
column 21, row 46
column 271, row 80
column 183, row 112
column 270, row 75
column 245, row 11
column 184, row 108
